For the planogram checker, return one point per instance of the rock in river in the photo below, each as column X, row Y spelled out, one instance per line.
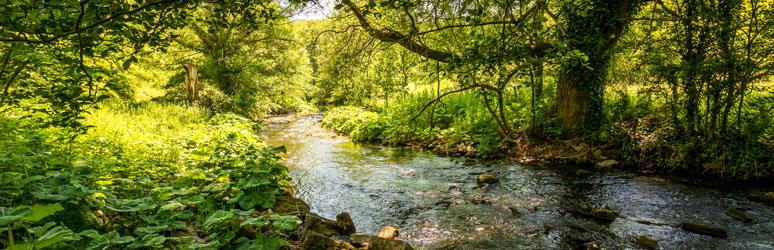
column 316, row 241
column 646, row 242
column 379, row 243
column 486, row 178
column 388, row 232
column 694, row 227
column 345, row 224
column 739, row 215
column 604, row 214
column 606, row 164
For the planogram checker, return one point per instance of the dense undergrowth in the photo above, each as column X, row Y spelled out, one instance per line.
column 460, row 126
column 144, row 176
column 637, row 138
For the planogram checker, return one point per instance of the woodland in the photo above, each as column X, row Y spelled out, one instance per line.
column 131, row 124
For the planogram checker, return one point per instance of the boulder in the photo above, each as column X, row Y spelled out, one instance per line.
column 485, row 179
column 359, row 240
column 739, row 215
column 646, row 242
column 316, row 241
column 379, row 243
column 698, row 228
column 321, row 225
column 345, row 224
column 604, row 214
column 290, row 205
column 389, row 232
column 606, row 164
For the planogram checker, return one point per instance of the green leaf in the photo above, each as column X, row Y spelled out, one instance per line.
column 257, row 221
column 256, row 182
column 285, row 222
column 135, row 205
column 105, row 241
column 38, row 211
column 261, row 242
column 55, row 235
column 219, row 217
column 171, row 206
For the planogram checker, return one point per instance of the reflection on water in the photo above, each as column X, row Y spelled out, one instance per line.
column 434, row 202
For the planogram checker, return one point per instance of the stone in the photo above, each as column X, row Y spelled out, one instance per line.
column 341, row 245
column 592, row 246
column 290, row 205
column 389, row 232
column 606, row 164
column 646, row 242
column 739, row 215
column 583, row 172
column 320, row 225
column 763, row 197
column 604, row 214
column 379, row 243
column 345, row 224
column 698, row 228
column 359, row 240
column 485, row 179
column 316, row 241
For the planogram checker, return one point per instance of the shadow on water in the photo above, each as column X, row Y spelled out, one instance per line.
column 434, row 202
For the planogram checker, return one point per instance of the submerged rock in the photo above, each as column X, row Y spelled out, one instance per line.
column 606, row 164
column 604, row 214
column 583, row 172
column 698, row 228
column 646, row 242
column 389, row 232
column 380, row 243
column 345, row 224
column 739, row 215
column 592, row 246
column 765, row 198
column 486, row 178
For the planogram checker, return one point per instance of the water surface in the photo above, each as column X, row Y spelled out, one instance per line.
column 434, row 201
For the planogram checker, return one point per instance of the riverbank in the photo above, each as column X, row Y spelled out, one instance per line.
column 639, row 148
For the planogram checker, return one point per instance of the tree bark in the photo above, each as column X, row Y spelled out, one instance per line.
column 191, row 82
column 580, row 85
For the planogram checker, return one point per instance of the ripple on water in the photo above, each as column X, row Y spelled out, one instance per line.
column 434, row 202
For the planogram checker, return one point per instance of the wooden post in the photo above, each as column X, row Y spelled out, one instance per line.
column 191, row 82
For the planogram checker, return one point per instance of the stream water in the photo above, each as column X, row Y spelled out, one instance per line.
column 433, row 200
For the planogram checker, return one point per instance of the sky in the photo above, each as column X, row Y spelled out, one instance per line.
column 321, row 10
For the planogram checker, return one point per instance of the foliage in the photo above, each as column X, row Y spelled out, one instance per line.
column 249, row 66
column 681, row 88
column 145, row 176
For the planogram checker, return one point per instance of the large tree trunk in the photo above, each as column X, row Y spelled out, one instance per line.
column 580, row 86
column 579, row 98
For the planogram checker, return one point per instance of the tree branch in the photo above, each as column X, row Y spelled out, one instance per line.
column 396, row 37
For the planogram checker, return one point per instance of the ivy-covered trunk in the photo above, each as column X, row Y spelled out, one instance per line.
column 592, row 29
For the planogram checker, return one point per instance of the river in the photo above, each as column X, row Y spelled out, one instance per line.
column 434, row 201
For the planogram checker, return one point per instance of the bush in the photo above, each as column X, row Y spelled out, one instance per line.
column 145, row 176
